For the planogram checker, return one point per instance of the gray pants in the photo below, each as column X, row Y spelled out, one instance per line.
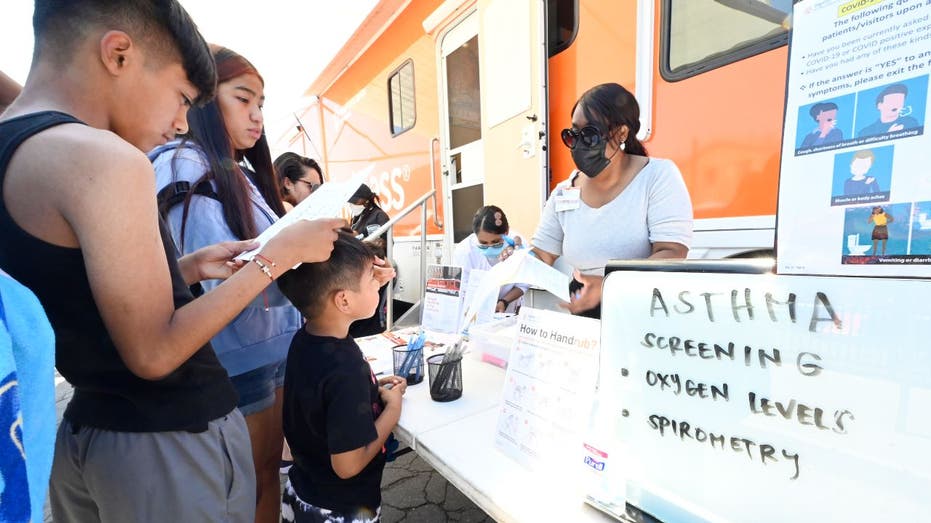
column 177, row 477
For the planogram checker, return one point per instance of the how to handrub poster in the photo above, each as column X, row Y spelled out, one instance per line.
column 855, row 181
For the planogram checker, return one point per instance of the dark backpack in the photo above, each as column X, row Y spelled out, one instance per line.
column 175, row 193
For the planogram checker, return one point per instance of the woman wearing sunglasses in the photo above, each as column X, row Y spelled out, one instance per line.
column 298, row 177
column 618, row 204
column 490, row 243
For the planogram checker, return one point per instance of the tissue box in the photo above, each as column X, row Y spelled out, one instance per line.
column 491, row 342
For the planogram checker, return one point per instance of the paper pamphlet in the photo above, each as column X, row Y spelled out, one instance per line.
column 328, row 201
column 548, row 389
column 486, row 309
column 520, row 267
column 442, row 298
column 377, row 350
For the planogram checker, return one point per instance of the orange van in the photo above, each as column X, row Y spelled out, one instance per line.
column 467, row 98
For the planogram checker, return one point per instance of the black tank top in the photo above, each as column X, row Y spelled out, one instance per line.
column 106, row 394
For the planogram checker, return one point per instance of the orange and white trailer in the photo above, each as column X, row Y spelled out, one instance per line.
column 469, row 96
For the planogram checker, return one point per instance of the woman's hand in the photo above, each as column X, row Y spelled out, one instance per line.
column 509, row 250
column 304, row 241
column 501, row 306
column 588, row 297
column 384, row 271
column 214, row 262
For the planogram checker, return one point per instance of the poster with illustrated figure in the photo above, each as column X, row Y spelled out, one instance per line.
column 855, row 179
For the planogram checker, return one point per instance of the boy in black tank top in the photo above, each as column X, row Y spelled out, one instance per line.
column 151, row 433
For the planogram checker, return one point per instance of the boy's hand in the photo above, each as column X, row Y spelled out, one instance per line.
column 391, row 396
column 394, row 382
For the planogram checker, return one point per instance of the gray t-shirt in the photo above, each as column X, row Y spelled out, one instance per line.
column 654, row 207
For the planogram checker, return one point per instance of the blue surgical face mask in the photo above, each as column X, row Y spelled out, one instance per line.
column 493, row 251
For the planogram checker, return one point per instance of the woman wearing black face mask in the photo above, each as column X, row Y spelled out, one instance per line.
column 624, row 205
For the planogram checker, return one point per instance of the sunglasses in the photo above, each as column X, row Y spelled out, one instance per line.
column 312, row 186
column 483, row 246
column 589, row 136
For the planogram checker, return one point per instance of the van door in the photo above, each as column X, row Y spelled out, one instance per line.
column 461, row 116
column 494, row 106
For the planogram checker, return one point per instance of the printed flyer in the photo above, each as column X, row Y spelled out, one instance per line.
column 441, row 302
column 855, row 180
column 548, row 389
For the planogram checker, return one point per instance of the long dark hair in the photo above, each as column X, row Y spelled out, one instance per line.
column 368, row 196
column 609, row 106
column 291, row 166
column 207, row 130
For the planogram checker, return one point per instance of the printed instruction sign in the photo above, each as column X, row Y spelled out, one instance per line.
column 855, row 181
column 548, row 389
column 756, row 397
column 442, row 298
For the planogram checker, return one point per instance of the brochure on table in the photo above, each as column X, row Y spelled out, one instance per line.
column 378, row 348
column 442, row 298
column 855, row 181
column 548, row 392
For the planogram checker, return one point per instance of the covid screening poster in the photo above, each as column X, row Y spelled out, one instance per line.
column 855, row 179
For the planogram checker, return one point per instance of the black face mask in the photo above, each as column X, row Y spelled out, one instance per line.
column 591, row 160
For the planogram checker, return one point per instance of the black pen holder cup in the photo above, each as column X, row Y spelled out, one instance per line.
column 445, row 378
column 408, row 364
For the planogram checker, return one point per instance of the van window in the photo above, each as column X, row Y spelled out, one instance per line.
column 562, row 19
column 401, row 111
column 463, row 94
column 700, row 35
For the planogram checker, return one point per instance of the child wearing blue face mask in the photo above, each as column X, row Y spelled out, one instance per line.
column 491, row 242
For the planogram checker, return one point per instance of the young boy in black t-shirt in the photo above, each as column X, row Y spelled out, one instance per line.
column 337, row 416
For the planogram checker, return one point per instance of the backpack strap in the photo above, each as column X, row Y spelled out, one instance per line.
column 175, row 193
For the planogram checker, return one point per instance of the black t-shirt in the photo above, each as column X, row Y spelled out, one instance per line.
column 107, row 394
column 331, row 402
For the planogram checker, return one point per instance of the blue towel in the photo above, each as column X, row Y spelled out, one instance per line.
column 27, row 402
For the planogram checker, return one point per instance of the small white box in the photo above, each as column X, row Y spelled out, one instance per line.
column 491, row 342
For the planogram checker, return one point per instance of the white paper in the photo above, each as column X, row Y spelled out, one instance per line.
column 442, row 301
column 485, row 311
column 851, row 143
column 378, row 351
column 548, row 389
column 520, row 267
column 328, row 201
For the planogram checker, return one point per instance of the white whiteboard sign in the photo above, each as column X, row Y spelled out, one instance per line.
column 756, row 397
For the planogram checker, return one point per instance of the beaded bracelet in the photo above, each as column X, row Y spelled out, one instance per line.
column 264, row 268
column 266, row 260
